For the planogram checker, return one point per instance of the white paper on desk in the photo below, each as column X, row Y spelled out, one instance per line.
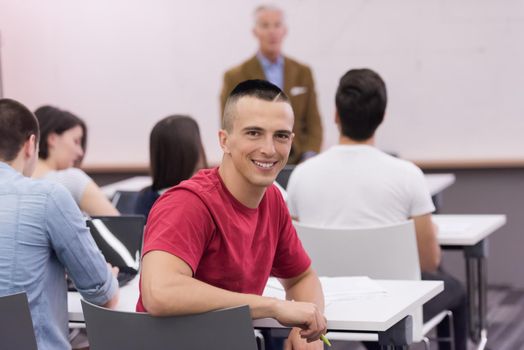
column 348, row 288
column 335, row 288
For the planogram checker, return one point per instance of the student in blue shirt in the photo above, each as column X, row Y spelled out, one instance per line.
column 43, row 234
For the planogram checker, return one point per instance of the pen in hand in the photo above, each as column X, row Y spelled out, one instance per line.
column 325, row 340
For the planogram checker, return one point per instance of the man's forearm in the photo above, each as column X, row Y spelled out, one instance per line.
column 306, row 288
column 183, row 295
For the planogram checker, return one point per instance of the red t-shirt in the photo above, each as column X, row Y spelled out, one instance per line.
column 226, row 244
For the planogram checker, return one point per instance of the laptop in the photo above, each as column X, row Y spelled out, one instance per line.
column 119, row 238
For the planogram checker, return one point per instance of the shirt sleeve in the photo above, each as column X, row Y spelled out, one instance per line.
column 76, row 249
column 291, row 259
column 421, row 202
column 180, row 224
column 73, row 179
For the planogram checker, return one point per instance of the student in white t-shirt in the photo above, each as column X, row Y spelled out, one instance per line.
column 354, row 184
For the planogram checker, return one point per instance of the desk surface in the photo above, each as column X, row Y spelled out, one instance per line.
column 372, row 313
column 466, row 230
column 439, row 182
column 135, row 183
column 436, row 184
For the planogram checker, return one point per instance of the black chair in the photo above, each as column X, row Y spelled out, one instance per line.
column 283, row 175
column 229, row 329
column 16, row 326
column 125, row 201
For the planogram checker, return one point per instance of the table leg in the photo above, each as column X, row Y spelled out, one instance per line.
column 438, row 200
column 398, row 336
column 476, row 273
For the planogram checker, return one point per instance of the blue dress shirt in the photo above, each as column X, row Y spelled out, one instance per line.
column 274, row 71
column 43, row 234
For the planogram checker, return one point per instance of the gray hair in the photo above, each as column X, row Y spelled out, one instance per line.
column 267, row 7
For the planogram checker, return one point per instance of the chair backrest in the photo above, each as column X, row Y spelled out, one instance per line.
column 125, row 201
column 222, row 329
column 386, row 252
column 16, row 326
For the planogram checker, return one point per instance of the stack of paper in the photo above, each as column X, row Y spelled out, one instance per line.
column 335, row 288
column 349, row 288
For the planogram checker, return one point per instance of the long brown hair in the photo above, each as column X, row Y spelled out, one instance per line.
column 175, row 150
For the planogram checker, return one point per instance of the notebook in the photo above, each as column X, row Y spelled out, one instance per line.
column 119, row 238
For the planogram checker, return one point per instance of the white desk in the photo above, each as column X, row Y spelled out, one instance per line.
column 374, row 313
column 469, row 233
column 466, row 230
column 377, row 313
column 436, row 184
column 135, row 183
column 439, row 182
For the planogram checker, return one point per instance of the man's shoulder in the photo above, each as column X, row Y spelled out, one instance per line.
column 400, row 163
column 242, row 68
column 42, row 187
column 45, row 196
column 295, row 63
column 202, row 184
column 319, row 161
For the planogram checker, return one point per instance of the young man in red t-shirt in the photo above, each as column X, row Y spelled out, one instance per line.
column 213, row 241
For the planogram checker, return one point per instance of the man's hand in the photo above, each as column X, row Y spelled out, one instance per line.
column 306, row 316
column 114, row 270
column 296, row 342
column 112, row 303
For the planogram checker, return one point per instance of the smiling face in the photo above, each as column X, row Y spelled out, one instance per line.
column 270, row 31
column 258, row 144
column 65, row 148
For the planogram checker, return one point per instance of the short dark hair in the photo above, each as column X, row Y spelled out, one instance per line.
column 175, row 149
column 53, row 120
column 17, row 124
column 256, row 88
column 361, row 102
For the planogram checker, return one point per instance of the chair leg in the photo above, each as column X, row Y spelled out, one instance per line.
column 451, row 330
column 451, row 338
column 425, row 340
column 259, row 337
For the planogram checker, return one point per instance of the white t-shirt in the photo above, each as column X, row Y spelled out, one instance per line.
column 357, row 186
column 74, row 179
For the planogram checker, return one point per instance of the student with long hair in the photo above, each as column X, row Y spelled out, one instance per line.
column 176, row 153
column 62, row 146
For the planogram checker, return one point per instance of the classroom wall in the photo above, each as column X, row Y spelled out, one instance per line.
column 453, row 68
column 491, row 191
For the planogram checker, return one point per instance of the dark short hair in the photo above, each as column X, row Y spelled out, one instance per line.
column 175, row 148
column 256, row 88
column 53, row 120
column 361, row 102
column 17, row 124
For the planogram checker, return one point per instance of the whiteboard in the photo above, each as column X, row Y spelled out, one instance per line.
column 454, row 68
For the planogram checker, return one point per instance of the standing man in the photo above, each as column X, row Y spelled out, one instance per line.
column 294, row 78
column 212, row 241
column 356, row 185
column 43, row 234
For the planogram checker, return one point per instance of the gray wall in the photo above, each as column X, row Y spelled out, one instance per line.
column 491, row 191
